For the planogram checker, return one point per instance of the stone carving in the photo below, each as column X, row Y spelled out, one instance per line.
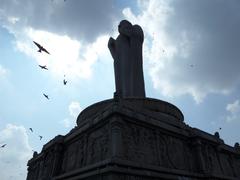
column 146, row 149
column 82, row 150
column 175, row 153
column 139, row 144
column 226, row 164
column 161, row 142
column 48, row 159
column 126, row 51
column 72, row 156
column 98, row 146
column 211, row 160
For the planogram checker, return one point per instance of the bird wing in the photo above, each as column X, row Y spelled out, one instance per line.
column 38, row 45
column 43, row 67
column 43, row 49
column 46, row 96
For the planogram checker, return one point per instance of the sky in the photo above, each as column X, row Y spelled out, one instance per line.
column 191, row 59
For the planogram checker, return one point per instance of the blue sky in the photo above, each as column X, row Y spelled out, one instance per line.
column 191, row 59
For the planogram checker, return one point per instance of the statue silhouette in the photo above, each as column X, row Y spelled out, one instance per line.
column 126, row 51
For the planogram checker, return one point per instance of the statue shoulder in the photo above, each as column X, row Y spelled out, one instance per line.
column 138, row 32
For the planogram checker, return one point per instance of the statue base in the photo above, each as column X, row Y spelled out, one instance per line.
column 135, row 139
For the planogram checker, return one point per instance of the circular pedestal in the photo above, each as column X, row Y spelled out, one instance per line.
column 152, row 106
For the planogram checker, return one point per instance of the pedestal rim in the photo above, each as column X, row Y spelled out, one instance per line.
column 153, row 105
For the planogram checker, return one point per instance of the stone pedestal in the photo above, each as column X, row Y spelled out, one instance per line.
column 135, row 139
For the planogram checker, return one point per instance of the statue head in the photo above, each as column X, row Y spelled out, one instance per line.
column 124, row 24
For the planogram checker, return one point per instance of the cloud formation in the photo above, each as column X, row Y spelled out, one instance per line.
column 83, row 20
column 3, row 71
column 14, row 156
column 67, row 56
column 234, row 111
column 74, row 110
column 191, row 46
column 74, row 32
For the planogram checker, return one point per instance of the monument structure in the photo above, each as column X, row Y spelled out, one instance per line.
column 126, row 51
column 131, row 137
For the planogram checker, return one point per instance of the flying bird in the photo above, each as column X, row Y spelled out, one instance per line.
column 64, row 82
column 31, row 129
column 2, row 146
column 43, row 67
column 46, row 96
column 40, row 137
column 41, row 48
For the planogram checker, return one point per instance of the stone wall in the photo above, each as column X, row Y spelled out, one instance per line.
column 121, row 140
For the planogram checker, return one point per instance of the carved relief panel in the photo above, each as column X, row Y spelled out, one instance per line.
column 98, row 145
column 212, row 164
column 139, row 144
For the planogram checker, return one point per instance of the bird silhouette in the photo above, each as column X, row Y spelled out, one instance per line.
column 46, row 96
column 41, row 48
column 64, row 82
column 31, row 129
column 2, row 146
column 191, row 65
column 40, row 137
column 43, row 67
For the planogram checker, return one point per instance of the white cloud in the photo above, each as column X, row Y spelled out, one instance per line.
column 67, row 122
column 13, row 20
column 234, row 111
column 74, row 32
column 82, row 20
column 3, row 71
column 67, row 56
column 200, row 55
column 15, row 155
column 74, row 110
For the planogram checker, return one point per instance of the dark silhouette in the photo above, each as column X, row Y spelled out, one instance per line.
column 134, row 138
column 46, row 96
column 43, row 67
column 126, row 51
column 64, row 82
column 40, row 137
column 31, row 129
column 216, row 134
column 41, row 48
column 2, row 146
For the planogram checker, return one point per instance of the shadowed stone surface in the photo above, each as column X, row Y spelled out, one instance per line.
column 126, row 51
column 132, row 137
column 137, row 139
